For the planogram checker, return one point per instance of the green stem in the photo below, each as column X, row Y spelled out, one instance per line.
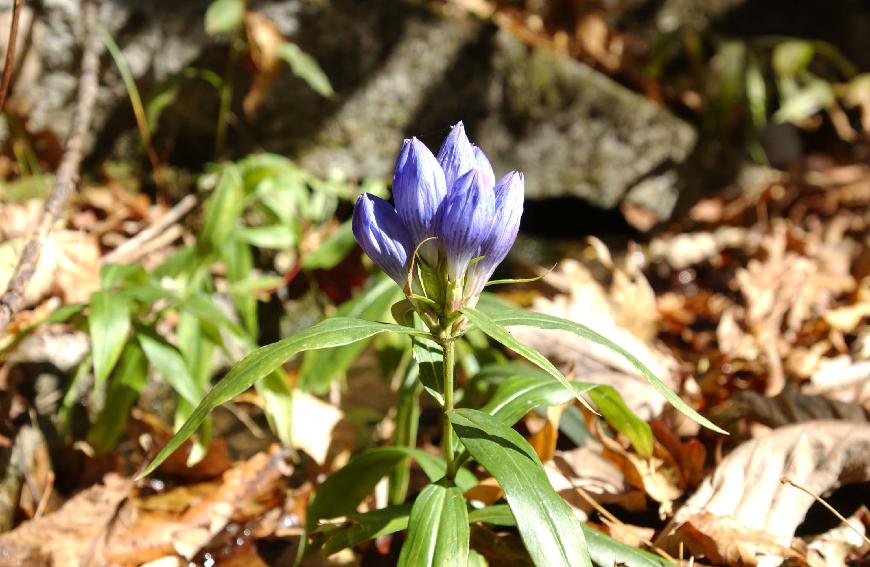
column 226, row 92
column 447, row 436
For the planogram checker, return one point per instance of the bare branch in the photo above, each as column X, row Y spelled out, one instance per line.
column 65, row 179
column 9, row 65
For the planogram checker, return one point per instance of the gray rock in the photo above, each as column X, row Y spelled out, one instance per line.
column 399, row 70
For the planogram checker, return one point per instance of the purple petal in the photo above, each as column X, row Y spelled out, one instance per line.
column 506, row 225
column 382, row 236
column 456, row 155
column 418, row 190
column 464, row 221
column 486, row 172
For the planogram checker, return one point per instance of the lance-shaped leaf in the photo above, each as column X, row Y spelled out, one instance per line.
column 603, row 549
column 486, row 324
column 550, row 530
column 613, row 409
column 363, row 527
column 321, row 367
column 508, row 317
column 340, row 494
column 519, row 395
column 338, row 331
column 109, row 324
column 438, row 529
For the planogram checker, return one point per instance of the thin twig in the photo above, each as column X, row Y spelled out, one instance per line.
column 9, row 65
column 607, row 514
column 831, row 509
column 175, row 214
column 65, row 179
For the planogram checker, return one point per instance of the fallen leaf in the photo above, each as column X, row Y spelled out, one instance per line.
column 246, row 492
column 74, row 535
column 315, row 424
column 743, row 511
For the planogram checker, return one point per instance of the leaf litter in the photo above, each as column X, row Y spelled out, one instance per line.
column 762, row 323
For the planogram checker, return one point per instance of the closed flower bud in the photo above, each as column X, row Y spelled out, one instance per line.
column 464, row 221
column 451, row 212
column 505, row 226
column 418, row 190
column 485, row 168
column 456, row 155
column 382, row 236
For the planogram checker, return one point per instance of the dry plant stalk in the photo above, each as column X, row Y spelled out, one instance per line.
column 12, row 299
column 9, row 65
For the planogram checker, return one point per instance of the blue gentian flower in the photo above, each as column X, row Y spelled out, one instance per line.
column 382, row 236
column 452, row 222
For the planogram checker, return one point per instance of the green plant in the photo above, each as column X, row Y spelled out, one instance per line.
column 750, row 83
column 250, row 32
column 472, row 225
column 261, row 202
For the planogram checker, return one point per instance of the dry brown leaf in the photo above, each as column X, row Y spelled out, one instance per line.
column 264, row 37
column 834, row 547
column 71, row 537
column 545, row 431
column 724, row 541
column 782, row 292
column 585, row 468
column 148, row 427
column 791, row 406
column 488, row 491
column 743, row 511
column 584, row 300
column 842, row 378
column 658, row 476
column 319, row 428
column 247, row 491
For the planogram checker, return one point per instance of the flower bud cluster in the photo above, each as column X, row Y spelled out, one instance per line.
column 452, row 225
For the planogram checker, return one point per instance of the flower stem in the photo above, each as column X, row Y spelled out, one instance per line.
column 447, row 436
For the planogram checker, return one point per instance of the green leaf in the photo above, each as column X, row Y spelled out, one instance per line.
column 224, row 16
column 603, row 549
column 341, row 493
column 364, row 527
column 549, row 528
column 334, row 332
column 278, row 404
column 127, row 383
column 239, row 262
column 306, row 68
column 477, row 560
column 204, row 307
column 791, row 57
column 510, row 317
column 437, row 530
column 435, row 468
column 320, row 368
column 613, row 409
column 114, row 274
column 519, row 395
column 332, row 250
column 756, row 93
column 806, row 102
column 222, row 210
column 169, row 363
column 274, row 237
column 197, row 350
column 483, row 322
column 407, row 423
column 430, row 358
column 109, row 324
